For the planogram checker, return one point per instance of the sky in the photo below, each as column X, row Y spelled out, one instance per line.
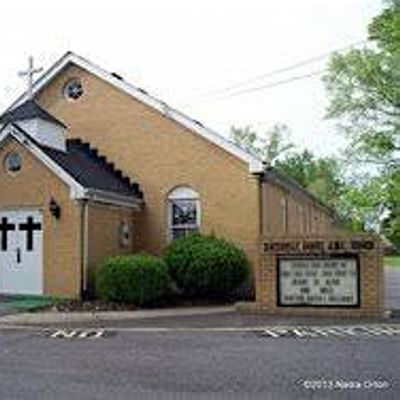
column 196, row 55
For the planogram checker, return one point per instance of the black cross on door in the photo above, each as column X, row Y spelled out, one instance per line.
column 29, row 226
column 5, row 227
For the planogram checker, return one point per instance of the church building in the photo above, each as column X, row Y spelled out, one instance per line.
column 92, row 166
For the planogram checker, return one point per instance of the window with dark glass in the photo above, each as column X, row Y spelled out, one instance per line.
column 12, row 162
column 183, row 212
column 73, row 90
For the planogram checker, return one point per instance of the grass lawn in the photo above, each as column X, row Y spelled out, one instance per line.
column 392, row 261
column 27, row 303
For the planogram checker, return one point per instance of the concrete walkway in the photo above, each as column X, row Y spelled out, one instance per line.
column 102, row 317
column 211, row 318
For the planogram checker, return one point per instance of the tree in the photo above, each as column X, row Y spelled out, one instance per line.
column 364, row 91
column 321, row 176
column 391, row 223
column 269, row 147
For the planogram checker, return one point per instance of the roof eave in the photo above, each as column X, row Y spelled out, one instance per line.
column 102, row 196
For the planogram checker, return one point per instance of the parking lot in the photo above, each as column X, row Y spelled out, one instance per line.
column 197, row 365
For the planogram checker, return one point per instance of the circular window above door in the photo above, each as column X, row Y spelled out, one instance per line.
column 12, row 162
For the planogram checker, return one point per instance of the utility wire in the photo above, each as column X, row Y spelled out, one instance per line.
column 274, row 84
column 286, row 69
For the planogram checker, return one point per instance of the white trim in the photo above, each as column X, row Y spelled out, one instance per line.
column 255, row 164
column 77, row 191
column 101, row 196
column 183, row 193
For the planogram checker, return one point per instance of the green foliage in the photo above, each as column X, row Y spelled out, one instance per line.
column 391, row 222
column 269, row 147
column 362, row 204
column 206, row 266
column 392, row 261
column 364, row 92
column 138, row 279
column 321, row 176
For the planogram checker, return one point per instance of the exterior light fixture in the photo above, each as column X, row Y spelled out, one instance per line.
column 55, row 209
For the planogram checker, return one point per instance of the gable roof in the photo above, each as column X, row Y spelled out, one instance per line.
column 28, row 110
column 255, row 164
column 89, row 175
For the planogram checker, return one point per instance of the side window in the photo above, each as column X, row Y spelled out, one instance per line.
column 300, row 218
column 284, row 213
column 183, row 212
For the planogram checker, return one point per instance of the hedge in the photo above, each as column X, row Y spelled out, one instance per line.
column 138, row 279
column 206, row 266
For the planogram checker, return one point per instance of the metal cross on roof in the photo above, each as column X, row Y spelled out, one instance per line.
column 29, row 73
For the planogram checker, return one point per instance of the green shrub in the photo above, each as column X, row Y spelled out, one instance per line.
column 138, row 279
column 206, row 266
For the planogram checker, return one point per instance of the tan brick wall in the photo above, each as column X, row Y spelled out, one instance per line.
column 303, row 215
column 33, row 187
column 161, row 154
column 371, row 282
column 104, row 233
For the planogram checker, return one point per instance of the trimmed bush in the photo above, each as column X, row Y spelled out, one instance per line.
column 138, row 279
column 206, row 266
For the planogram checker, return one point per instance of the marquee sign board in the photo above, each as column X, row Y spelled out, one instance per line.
column 331, row 274
column 318, row 281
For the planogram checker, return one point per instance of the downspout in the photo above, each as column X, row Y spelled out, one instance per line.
column 260, row 205
column 260, row 236
column 84, row 248
column 260, row 183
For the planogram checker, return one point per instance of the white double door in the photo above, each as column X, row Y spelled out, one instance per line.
column 21, row 252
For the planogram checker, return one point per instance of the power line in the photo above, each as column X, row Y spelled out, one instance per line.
column 287, row 68
column 274, row 84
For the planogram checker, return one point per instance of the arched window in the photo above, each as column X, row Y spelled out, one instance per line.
column 183, row 212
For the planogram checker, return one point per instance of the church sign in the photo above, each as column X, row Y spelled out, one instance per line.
column 318, row 281
column 327, row 275
column 305, row 246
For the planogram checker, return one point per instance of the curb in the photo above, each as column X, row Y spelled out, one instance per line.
column 42, row 318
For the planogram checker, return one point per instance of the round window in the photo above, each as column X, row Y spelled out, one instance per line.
column 12, row 162
column 73, row 90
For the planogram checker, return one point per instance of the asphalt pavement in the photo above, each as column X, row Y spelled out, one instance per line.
column 196, row 365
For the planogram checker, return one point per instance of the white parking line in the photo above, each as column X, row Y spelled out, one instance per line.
column 273, row 331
